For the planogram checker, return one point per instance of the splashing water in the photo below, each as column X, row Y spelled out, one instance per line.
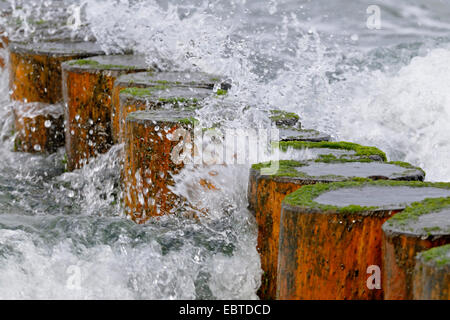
column 63, row 235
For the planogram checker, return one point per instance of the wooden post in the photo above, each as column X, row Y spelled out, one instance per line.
column 35, row 76
column 330, row 237
column 38, row 126
column 154, row 141
column 432, row 274
column 266, row 193
column 87, row 88
column 420, row 227
column 149, row 81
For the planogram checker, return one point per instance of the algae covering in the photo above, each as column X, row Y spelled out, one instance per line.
column 306, row 196
column 283, row 118
column 429, row 217
column 440, row 256
column 323, row 169
column 360, row 151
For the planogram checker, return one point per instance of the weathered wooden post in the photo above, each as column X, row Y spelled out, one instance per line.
column 420, row 227
column 144, row 82
column 270, row 190
column 35, row 77
column 331, row 236
column 87, row 88
column 39, row 127
column 432, row 274
column 157, row 145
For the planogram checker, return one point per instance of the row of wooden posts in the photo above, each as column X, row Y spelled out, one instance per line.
column 326, row 225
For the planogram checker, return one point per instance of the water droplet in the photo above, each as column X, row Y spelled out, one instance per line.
column 37, row 147
column 48, row 124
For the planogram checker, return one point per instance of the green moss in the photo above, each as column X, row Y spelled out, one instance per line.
column 438, row 255
column 221, row 92
column 287, row 168
column 417, row 209
column 165, row 82
column 360, row 150
column 98, row 65
column 84, row 62
column 279, row 115
column 142, row 92
column 177, row 100
column 137, row 92
column 17, row 144
column 304, row 197
column 65, row 161
column 189, row 121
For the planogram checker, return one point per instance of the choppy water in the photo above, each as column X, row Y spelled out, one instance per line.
column 62, row 235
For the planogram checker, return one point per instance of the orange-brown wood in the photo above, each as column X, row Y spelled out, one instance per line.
column 35, row 76
column 431, row 282
column 88, row 94
column 115, row 112
column 325, row 255
column 399, row 252
column 128, row 105
column 35, row 70
column 266, row 196
column 38, row 127
column 149, row 164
